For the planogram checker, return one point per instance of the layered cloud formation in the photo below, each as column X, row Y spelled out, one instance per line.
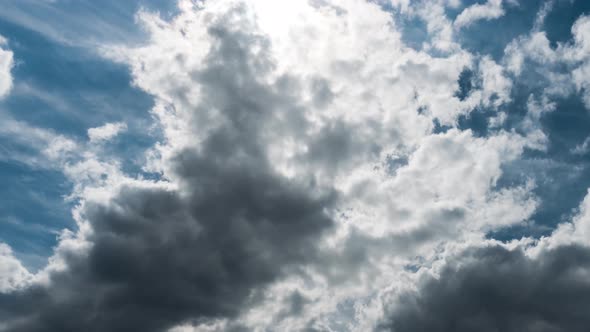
column 312, row 167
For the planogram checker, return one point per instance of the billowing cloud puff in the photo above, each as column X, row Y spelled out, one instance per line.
column 13, row 275
column 497, row 289
column 523, row 286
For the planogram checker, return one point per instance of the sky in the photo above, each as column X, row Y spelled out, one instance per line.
column 301, row 165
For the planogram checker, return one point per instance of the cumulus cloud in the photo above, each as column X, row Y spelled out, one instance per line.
column 310, row 166
column 203, row 262
column 523, row 286
column 498, row 289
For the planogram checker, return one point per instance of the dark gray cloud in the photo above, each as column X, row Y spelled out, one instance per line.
column 159, row 257
column 495, row 289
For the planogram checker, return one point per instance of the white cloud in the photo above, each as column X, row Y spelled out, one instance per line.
column 6, row 64
column 573, row 54
column 439, row 26
column 13, row 275
column 575, row 231
column 581, row 52
column 44, row 148
column 583, row 148
column 496, row 86
column 106, row 132
column 490, row 10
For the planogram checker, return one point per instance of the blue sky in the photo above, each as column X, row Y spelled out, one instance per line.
column 63, row 84
column 371, row 149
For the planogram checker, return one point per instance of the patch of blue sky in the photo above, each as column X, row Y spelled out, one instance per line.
column 61, row 83
column 67, row 88
column 561, row 172
column 83, row 22
column 560, row 187
column 490, row 37
column 33, row 210
column 559, row 20
column 414, row 32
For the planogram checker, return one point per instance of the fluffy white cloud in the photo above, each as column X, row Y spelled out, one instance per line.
column 490, row 10
column 106, row 131
column 576, row 231
column 516, row 275
column 13, row 275
column 6, row 63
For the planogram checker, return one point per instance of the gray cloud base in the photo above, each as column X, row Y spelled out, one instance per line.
column 496, row 289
